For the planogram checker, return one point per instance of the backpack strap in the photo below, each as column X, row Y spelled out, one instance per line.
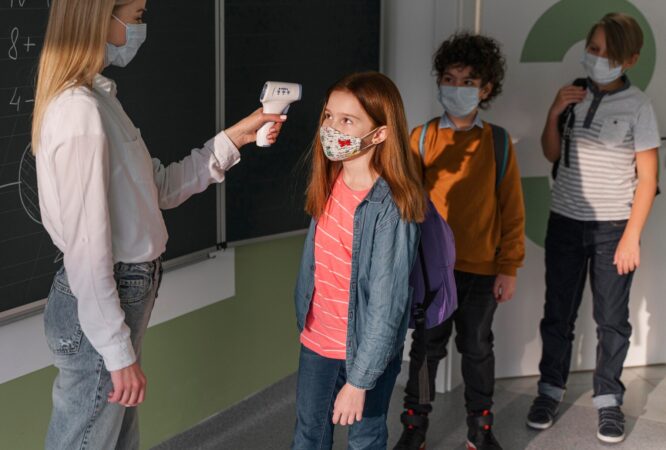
column 501, row 147
column 429, row 296
column 420, row 329
column 565, row 125
column 424, row 131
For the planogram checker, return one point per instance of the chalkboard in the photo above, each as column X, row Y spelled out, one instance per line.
column 169, row 91
column 312, row 42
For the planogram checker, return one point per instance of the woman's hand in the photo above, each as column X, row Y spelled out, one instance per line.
column 505, row 286
column 566, row 96
column 348, row 405
column 129, row 386
column 627, row 255
column 245, row 131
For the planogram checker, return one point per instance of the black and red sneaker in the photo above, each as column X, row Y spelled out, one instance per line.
column 414, row 431
column 480, row 432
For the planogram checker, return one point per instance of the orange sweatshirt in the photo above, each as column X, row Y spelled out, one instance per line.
column 488, row 226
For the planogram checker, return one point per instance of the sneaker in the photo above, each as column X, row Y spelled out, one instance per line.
column 542, row 412
column 413, row 432
column 480, row 433
column 611, row 425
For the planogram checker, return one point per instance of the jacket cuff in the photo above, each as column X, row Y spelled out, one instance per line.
column 118, row 356
column 224, row 150
column 362, row 379
column 509, row 270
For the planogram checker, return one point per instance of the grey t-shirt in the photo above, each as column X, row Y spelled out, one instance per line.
column 609, row 130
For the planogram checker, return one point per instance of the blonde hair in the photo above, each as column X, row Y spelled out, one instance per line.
column 624, row 36
column 73, row 52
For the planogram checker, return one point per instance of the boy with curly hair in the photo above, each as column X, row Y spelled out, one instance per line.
column 483, row 204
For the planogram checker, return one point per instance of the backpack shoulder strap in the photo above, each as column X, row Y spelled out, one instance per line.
column 501, row 147
column 424, row 131
column 427, row 301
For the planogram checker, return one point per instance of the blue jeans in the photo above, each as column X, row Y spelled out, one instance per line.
column 319, row 381
column 82, row 418
column 574, row 248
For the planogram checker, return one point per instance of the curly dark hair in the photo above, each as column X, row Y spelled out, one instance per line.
column 482, row 53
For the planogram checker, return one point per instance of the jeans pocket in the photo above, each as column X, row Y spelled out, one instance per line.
column 133, row 286
column 61, row 322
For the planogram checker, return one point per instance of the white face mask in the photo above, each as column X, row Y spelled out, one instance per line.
column 459, row 101
column 339, row 146
column 599, row 69
column 135, row 35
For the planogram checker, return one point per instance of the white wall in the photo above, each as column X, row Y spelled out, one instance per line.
column 412, row 32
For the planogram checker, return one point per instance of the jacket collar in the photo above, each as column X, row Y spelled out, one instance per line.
column 379, row 191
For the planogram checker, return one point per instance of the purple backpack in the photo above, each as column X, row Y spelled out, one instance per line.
column 434, row 296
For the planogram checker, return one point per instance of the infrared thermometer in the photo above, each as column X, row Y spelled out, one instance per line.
column 276, row 98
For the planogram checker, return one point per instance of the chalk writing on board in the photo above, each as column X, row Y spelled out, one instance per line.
column 26, row 251
column 28, row 257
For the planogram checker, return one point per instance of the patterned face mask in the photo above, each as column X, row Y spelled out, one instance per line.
column 339, row 146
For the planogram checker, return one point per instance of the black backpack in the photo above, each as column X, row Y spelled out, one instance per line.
column 565, row 124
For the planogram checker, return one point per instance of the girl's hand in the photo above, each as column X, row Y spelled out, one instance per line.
column 348, row 405
column 505, row 286
column 627, row 255
column 245, row 131
column 566, row 96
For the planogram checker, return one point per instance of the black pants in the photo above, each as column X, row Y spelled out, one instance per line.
column 573, row 248
column 473, row 320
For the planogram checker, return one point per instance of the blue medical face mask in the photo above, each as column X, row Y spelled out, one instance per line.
column 135, row 35
column 599, row 69
column 459, row 101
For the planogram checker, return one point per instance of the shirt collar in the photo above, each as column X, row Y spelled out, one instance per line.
column 105, row 86
column 445, row 122
column 625, row 85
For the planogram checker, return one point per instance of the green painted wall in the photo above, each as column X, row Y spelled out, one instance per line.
column 197, row 364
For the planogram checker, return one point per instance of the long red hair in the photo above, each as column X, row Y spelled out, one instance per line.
column 392, row 159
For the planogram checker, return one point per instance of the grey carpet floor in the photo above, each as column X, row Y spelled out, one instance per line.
column 266, row 420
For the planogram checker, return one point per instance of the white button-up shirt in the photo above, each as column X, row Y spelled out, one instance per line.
column 100, row 196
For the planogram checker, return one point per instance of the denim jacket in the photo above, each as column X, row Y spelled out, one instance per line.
column 383, row 251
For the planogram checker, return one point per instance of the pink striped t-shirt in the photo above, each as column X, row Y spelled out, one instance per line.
column 325, row 331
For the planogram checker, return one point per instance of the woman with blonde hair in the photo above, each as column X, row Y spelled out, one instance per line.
column 100, row 198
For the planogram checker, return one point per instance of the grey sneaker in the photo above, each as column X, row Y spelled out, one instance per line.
column 543, row 412
column 611, row 425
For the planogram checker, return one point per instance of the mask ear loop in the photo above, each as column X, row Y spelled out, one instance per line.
column 365, row 136
column 115, row 17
